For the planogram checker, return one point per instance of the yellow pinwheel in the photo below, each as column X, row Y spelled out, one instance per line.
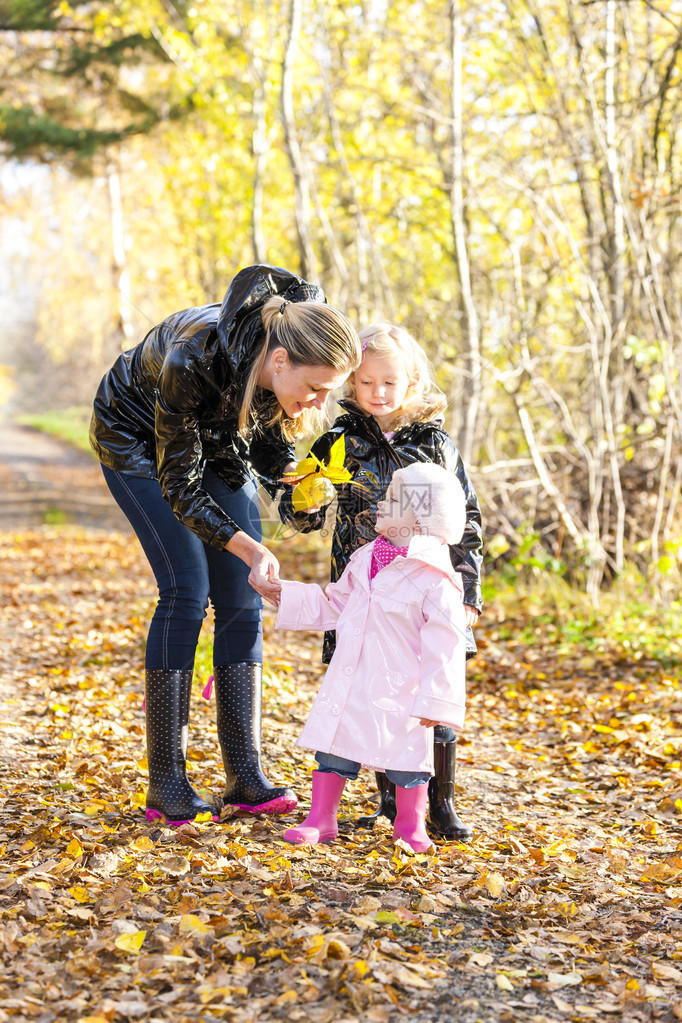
column 315, row 480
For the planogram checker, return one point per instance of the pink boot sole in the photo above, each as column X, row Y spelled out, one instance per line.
column 301, row 834
column 320, row 825
column 280, row 805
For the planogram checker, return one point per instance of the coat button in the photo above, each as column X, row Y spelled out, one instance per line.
column 335, row 709
column 348, row 671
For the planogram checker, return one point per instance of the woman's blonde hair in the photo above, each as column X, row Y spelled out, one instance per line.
column 424, row 399
column 312, row 334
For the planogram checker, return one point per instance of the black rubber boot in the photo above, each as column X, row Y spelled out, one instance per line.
column 442, row 814
column 386, row 807
column 170, row 794
column 238, row 698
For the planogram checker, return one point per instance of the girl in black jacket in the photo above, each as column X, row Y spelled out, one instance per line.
column 394, row 416
column 211, row 400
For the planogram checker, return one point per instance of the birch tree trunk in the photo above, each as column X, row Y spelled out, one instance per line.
column 119, row 265
column 296, row 158
column 260, row 155
column 467, row 308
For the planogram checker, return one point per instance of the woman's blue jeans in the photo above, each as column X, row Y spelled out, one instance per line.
column 189, row 572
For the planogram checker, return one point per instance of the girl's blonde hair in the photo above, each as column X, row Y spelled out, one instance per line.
column 424, row 399
column 312, row 334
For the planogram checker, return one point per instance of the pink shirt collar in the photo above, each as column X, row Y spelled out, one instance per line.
column 383, row 553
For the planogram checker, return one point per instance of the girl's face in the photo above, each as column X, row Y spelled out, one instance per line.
column 381, row 385
column 301, row 387
column 396, row 516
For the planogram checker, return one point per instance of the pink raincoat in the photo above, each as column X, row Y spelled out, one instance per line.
column 399, row 657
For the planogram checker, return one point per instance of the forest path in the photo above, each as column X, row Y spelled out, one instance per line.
column 46, row 481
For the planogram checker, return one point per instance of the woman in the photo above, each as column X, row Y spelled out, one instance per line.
column 213, row 397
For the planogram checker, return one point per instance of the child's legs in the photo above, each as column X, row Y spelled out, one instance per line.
column 328, row 763
column 408, row 779
column 410, row 815
column 328, row 783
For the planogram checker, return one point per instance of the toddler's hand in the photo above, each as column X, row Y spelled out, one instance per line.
column 471, row 615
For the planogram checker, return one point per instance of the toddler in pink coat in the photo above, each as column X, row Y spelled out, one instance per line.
column 398, row 667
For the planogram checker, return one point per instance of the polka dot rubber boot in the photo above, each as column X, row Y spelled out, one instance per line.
column 238, row 699
column 170, row 795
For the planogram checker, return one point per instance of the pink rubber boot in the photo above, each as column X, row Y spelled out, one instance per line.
column 320, row 825
column 411, row 814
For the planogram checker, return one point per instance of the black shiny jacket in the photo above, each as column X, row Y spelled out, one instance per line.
column 169, row 406
column 372, row 459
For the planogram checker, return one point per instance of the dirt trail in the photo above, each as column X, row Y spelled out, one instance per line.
column 46, row 481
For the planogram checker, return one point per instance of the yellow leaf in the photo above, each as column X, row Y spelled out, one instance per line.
column 312, row 492
column 387, row 916
column 315, row 480
column 495, row 885
column 661, row 872
column 567, row 909
column 215, row 994
column 191, row 924
column 143, row 843
column 74, row 848
column 504, row 982
column 337, row 457
column 79, row 893
column 202, row 818
column 130, row 942
column 338, row 949
column 303, row 468
column 287, row 996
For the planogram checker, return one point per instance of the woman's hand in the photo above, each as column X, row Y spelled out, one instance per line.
column 428, row 723
column 264, row 574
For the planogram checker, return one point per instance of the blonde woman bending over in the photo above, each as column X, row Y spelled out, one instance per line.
column 185, row 424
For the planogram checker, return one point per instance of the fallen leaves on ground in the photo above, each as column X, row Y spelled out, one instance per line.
column 566, row 906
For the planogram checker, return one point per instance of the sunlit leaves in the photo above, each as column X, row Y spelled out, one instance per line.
column 568, row 896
